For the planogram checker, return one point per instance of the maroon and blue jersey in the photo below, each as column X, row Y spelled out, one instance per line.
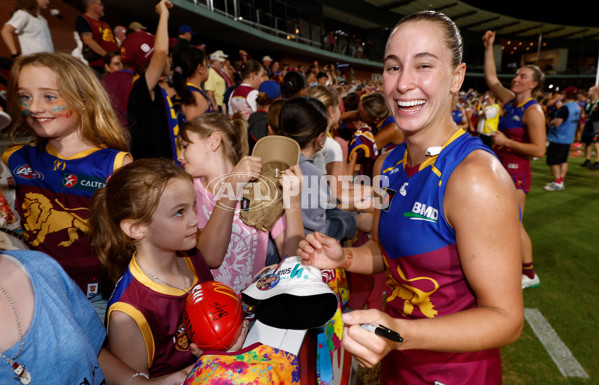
column 512, row 126
column 158, row 312
column 457, row 115
column 363, row 146
column 53, row 198
column 377, row 127
column 424, row 274
column 193, row 88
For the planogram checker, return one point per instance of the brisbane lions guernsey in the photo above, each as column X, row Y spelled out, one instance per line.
column 512, row 126
column 424, row 275
column 53, row 200
column 158, row 312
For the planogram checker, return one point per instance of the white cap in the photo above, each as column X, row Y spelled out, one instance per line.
column 293, row 296
column 218, row 56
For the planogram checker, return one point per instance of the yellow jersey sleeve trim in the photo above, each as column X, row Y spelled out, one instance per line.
column 363, row 147
column 119, row 159
column 142, row 324
column 9, row 151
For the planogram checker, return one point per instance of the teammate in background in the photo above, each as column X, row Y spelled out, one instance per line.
column 77, row 143
column 453, row 292
column 521, row 134
column 562, row 130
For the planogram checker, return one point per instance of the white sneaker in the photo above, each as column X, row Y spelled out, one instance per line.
column 530, row 283
column 555, row 186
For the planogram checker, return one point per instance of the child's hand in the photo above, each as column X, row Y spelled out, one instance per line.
column 246, row 170
column 239, row 343
column 195, row 350
column 321, row 251
column 291, row 181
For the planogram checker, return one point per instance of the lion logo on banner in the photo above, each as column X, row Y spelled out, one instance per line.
column 41, row 218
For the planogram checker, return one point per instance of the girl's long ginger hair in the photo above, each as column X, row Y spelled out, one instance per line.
column 83, row 92
column 132, row 193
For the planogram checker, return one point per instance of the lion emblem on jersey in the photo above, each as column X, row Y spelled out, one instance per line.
column 41, row 218
column 411, row 295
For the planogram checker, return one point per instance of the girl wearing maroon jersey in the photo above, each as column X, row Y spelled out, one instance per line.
column 142, row 224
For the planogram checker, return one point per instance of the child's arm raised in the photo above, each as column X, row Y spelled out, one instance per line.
column 294, row 231
column 213, row 240
column 159, row 61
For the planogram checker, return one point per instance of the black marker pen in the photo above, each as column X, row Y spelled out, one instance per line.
column 384, row 332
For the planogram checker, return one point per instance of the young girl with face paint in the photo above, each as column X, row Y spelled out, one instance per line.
column 76, row 142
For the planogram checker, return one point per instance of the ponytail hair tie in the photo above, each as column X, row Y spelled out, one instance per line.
column 178, row 70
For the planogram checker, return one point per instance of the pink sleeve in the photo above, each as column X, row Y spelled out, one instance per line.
column 279, row 226
column 202, row 203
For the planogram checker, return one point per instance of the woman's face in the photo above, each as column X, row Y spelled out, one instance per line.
column 419, row 78
column 523, row 81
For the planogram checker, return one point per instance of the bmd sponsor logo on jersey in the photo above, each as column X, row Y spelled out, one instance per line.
column 422, row 212
column 27, row 172
column 82, row 182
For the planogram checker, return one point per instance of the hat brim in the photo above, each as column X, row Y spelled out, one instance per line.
column 277, row 148
column 287, row 311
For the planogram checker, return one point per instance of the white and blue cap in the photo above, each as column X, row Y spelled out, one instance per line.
column 293, row 296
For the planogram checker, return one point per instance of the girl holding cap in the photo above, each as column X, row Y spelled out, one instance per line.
column 454, row 291
column 214, row 151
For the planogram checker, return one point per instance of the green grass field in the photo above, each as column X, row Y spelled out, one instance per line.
column 564, row 229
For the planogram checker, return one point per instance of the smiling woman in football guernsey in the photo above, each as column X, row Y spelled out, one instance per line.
column 451, row 287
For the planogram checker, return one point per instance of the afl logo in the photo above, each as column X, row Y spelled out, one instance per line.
column 70, row 180
column 25, row 171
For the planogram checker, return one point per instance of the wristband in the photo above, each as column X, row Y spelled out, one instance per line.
column 349, row 256
column 15, row 55
column 138, row 374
